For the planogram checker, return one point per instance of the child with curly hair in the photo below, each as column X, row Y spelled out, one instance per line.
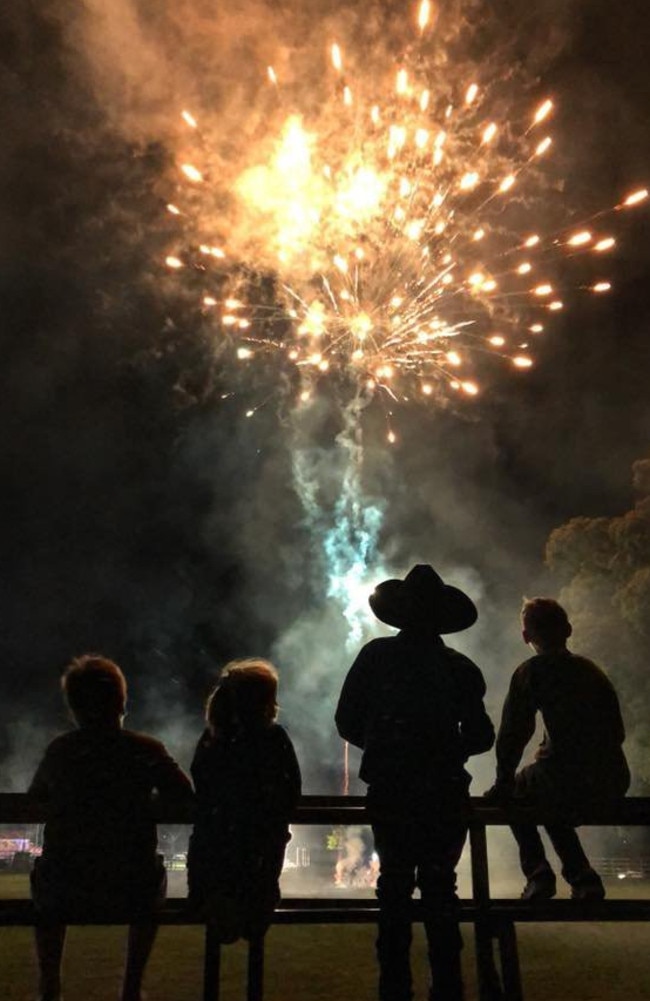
column 247, row 781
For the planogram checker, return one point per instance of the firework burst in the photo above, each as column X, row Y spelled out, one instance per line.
column 380, row 229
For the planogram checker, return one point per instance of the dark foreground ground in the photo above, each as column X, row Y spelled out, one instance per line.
column 559, row 962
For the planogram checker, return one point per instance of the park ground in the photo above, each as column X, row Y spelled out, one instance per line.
column 590, row 962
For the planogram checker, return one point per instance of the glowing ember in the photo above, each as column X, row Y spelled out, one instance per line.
column 580, row 239
column 191, row 172
column 636, row 198
column 543, row 112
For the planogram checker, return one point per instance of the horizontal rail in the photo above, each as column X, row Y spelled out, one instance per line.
column 364, row 910
column 19, row 808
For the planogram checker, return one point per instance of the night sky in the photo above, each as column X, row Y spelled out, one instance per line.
column 142, row 516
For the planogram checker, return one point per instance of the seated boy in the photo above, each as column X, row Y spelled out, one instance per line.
column 580, row 762
column 99, row 851
column 247, row 781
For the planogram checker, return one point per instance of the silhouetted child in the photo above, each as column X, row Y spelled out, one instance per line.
column 247, row 782
column 99, row 852
column 579, row 765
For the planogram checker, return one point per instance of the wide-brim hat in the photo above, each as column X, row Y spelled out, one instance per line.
column 423, row 599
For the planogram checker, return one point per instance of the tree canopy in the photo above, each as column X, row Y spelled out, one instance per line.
column 603, row 567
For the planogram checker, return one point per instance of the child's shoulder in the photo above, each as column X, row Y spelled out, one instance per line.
column 62, row 744
column 277, row 733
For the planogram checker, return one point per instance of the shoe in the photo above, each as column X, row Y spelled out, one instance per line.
column 588, row 887
column 541, row 886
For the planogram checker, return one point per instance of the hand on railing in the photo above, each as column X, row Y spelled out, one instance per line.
column 500, row 794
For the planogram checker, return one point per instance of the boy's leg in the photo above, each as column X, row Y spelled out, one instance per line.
column 584, row 880
column 140, row 943
column 50, row 939
column 531, row 849
column 540, row 879
column 532, row 787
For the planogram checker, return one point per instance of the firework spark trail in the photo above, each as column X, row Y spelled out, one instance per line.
column 390, row 203
column 348, row 541
column 351, row 543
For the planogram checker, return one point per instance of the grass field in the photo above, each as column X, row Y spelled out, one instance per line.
column 559, row 962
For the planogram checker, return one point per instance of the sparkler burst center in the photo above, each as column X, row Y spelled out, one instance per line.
column 391, row 205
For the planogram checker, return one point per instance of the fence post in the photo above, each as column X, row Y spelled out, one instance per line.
column 488, row 978
column 510, row 962
column 211, row 964
column 255, row 990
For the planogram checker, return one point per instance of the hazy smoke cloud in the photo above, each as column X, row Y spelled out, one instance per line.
column 141, row 514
